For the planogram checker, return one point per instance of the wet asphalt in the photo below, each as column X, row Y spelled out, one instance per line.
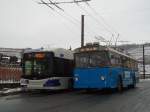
column 131, row 100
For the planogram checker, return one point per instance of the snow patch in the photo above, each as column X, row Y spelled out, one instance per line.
column 144, row 80
column 10, row 91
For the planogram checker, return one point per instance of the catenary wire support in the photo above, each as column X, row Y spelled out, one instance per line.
column 82, row 30
column 143, row 61
column 51, row 3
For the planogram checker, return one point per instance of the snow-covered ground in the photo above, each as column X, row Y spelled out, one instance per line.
column 6, row 91
column 9, row 82
column 143, row 80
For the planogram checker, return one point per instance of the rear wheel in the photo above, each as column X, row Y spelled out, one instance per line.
column 120, row 84
column 134, row 82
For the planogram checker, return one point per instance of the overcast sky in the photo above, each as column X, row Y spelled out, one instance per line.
column 24, row 23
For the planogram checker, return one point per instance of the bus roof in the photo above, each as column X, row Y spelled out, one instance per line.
column 120, row 53
column 58, row 52
column 92, row 48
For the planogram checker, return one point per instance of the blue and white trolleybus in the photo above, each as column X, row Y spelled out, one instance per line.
column 100, row 67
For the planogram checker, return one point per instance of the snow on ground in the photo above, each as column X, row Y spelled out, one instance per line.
column 10, row 91
column 143, row 80
column 7, row 91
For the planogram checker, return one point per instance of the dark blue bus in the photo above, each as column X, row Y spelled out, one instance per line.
column 99, row 67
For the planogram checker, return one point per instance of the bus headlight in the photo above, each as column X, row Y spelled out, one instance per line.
column 102, row 78
column 76, row 78
column 24, row 81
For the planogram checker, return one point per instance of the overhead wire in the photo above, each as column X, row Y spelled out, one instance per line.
column 78, row 22
column 93, row 17
column 59, row 13
column 101, row 17
column 66, row 18
column 89, row 27
column 70, row 18
column 106, row 25
column 74, row 21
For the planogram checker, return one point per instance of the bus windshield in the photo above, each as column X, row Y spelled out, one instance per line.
column 33, row 67
column 92, row 59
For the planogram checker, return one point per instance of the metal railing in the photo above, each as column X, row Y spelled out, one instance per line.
column 10, row 75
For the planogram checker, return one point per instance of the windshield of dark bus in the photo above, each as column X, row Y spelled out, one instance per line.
column 92, row 59
column 33, row 65
column 36, row 67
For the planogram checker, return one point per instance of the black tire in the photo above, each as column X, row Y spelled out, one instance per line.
column 120, row 84
column 134, row 83
column 89, row 90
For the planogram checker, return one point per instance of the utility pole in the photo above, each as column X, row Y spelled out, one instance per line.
column 82, row 30
column 116, row 40
column 143, row 61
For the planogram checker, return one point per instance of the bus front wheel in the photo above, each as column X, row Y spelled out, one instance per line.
column 134, row 82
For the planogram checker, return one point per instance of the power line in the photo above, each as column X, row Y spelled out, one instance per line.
column 89, row 27
column 93, row 17
column 70, row 18
column 55, row 4
column 77, row 21
column 59, row 13
column 97, row 14
column 74, row 1
column 66, row 18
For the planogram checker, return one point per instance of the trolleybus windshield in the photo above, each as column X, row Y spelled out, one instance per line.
column 92, row 59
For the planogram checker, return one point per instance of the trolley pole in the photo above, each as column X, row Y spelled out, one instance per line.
column 144, row 61
column 82, row 30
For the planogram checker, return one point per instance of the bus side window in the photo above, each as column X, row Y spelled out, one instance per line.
column 132, row 64
column 112, row 58
column 123, row 61
column 115, row 60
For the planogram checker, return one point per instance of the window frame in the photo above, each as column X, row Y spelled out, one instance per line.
column 89, row 55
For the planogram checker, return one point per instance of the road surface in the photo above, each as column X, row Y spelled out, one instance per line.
column 132, row 100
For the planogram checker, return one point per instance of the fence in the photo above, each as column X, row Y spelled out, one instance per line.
column 10, row 76
column 146, row 76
